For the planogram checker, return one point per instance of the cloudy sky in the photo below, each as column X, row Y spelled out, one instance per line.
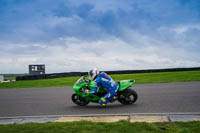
column 74, row 35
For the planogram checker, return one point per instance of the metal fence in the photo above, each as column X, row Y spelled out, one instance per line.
column 73, row 74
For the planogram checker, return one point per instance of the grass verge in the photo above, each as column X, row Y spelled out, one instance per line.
column 162, row 77
column 94, row 127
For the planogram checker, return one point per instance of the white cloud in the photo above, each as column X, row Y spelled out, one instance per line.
column 53, row 21
column 181, row 29
column 73, row 54
column 105, row 5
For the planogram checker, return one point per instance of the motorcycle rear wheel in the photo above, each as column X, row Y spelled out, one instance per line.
column 79, row 100
column 128, row 97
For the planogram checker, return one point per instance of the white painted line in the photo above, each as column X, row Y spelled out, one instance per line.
column 94, row 115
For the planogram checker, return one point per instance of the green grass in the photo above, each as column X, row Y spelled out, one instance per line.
column 93, row 127
column 162, row 77
column 69, row 81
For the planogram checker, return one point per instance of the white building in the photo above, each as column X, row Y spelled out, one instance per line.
column 1, row 78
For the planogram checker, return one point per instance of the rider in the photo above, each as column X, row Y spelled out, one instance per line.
column 106, row 82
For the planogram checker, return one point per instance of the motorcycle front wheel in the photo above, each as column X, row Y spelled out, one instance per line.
column 128, row 97
column 79, row 100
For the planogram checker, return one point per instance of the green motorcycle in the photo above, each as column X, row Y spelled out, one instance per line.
column 125, row 95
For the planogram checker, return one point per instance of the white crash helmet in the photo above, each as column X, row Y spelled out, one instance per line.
column 93, row 73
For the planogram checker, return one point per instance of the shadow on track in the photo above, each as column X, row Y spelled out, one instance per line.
column 109, row 106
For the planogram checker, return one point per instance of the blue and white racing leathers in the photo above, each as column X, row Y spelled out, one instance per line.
column 106, row 82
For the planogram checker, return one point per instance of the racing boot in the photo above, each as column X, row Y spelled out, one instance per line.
column 102, row 101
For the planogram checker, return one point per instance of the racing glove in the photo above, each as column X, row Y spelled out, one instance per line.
column 87, row 91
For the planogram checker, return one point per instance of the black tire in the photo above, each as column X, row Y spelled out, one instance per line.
column 128, row 97
column 79, row 100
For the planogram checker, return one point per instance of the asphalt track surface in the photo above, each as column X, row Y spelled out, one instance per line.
column 153, row 98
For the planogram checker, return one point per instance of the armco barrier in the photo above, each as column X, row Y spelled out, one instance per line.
column 152, row 70
column 73, row 74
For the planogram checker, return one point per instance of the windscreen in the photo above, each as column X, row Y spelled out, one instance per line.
column 81, row 80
